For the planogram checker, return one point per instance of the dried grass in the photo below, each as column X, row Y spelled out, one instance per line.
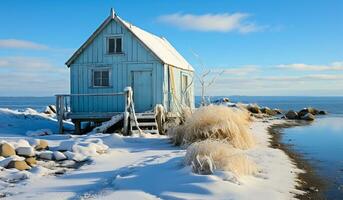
column 209, row 155
column 215, row 122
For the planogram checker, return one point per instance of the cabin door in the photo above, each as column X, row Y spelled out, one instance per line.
column 142, row 90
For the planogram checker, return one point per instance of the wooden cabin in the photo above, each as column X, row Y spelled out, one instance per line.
column 119, row 54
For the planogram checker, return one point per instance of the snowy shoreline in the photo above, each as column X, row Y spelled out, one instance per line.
column 151, row 168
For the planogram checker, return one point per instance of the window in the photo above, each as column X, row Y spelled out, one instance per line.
column 101, row 78
column 114, row 45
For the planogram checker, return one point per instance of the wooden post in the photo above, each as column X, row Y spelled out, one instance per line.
column 126, row 113
column 60, row 112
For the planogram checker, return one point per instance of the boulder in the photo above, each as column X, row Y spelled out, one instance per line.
column 6, row 150
column 42, row 145
column 25, row 151
column 46, row 155
column 308, row 117
column 277, row 111
column 253, row 109
column 19, row 165
column 311, row 110
column 322, row 112
column 31, row 161
column 268, row 111
column 59, row 156
column 291, row 115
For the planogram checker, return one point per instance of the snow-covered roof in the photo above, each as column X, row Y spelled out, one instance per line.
column 159, row 46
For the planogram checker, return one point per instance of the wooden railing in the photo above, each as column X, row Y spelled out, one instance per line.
column 64, row 108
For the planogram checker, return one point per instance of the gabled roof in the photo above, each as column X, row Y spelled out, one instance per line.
column 159, row 46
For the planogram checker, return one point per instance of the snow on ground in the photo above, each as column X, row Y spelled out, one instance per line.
column 143, row 168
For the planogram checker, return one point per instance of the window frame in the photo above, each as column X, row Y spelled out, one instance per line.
column 109, row 70
column 115, row 37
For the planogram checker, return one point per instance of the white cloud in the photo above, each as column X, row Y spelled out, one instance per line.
column 21, row 44
column 224, row 22
column 335, row 66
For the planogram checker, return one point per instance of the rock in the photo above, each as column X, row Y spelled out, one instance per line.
column 66, row 145
column 6, row 150
column 308, row 117
column 277, row 111
column 47, row 155
column 21, row 143
column 253, row 109
column 322, row 112
column 291, row 115
column 5, row 161
column 43, row 144
column 25, row 151
column 19, row 165
column 59, row 156
column 31, row 161
column 311, row 110
column 268, row 111
column 69, row 164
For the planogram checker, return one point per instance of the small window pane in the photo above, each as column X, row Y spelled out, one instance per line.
column 97, row 78
column 111, row 45
column 105, row 78
column 118, row 45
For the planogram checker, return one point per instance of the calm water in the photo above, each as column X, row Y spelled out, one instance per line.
column 20, row 103
column 322, row 145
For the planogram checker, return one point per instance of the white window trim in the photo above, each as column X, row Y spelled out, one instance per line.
column 115, row 44
column 101, row 69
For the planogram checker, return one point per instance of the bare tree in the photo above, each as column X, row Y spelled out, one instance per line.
column 203, row 76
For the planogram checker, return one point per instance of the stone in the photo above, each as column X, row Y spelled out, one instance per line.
column 59, row 156
column 268, row 111
column 322, row 112
column 31, row 161
column 6, row 150
column 291, row 115
column 308, row 117
column 253, row 109
column 311, row 110
column 43, row 144
column 277, row 111
column 25, row 151
column 46, row 155
column 19, row 165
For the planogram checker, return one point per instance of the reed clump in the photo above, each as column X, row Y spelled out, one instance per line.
column 209, row 155
column 217, row 123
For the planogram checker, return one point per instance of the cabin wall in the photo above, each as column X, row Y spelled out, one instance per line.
column 175, row 97
column 135, row 56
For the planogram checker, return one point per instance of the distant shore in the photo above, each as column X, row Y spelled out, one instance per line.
column 309, row 181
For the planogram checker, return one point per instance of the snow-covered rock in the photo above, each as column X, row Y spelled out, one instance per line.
column 5, row 161
column 34, row 142
column 25, row 151
column 75, row 156
column 66, row 145
column 59, row 156
column 47, row 155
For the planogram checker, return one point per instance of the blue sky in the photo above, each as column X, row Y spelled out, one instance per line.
column 265, row 47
